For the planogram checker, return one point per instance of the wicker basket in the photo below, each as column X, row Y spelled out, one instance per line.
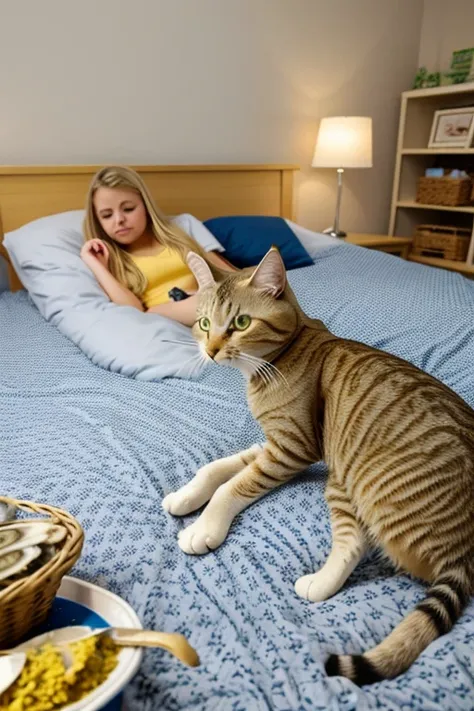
column 25, row 603
column 441, row 241
column 444, row 191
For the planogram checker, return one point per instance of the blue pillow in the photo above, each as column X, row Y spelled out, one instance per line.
column 246, row 240
column 4, row 283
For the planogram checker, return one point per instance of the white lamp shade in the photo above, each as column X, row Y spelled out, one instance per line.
column 344, row 142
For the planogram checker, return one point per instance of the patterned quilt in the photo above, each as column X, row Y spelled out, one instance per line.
column 108, row 448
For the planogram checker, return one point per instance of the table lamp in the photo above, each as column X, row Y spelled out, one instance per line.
column 343, row 142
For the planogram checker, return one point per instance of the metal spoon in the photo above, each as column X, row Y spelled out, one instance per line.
column 173, row 642
column 10, row 669
column 13, row 660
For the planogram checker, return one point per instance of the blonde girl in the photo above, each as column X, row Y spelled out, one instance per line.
column 136, row 254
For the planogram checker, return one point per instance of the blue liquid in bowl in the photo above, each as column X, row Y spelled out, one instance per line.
column 67, row 613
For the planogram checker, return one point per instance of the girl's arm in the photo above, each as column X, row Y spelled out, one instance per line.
column 182, row 311
column 117, row 293
column 95, row 254
column 219, row 261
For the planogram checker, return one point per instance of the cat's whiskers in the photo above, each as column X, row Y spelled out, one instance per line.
column 199, row 366
column 189, row 360
column 259, row 369
column 179, row 342
column 269, row 367
column 271, row 375
column 250, row 367
column 198, row 357
column 276, row 373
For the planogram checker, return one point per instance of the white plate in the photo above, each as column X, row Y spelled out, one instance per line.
column 117, row 613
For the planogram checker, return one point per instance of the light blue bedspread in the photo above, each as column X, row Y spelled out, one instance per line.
column 108, row 448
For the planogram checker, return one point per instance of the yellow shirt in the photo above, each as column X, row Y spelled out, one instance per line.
column 163, row 271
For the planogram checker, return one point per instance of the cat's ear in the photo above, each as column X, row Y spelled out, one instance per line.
column 201, row 270
column 270, row 275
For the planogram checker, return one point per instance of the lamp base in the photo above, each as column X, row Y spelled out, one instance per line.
column 335, row 233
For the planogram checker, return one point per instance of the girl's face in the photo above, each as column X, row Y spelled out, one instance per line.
column 121, row 213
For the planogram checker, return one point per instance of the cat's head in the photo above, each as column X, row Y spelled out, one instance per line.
column 248, row 317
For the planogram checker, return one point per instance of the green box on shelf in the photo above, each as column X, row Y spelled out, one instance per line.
column 462, row 61
column 449, row 78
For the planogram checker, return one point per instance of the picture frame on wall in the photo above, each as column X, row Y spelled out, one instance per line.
column 452, row 128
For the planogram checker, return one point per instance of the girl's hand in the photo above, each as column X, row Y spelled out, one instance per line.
column 93, row 251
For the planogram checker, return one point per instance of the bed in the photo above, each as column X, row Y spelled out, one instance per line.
column 108, row 448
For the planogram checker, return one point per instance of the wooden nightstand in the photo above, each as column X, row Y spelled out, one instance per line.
column 383, row 243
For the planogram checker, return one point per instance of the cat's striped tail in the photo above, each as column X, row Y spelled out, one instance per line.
column 434, row 616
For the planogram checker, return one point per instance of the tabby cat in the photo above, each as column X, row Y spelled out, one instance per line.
column 399, row 446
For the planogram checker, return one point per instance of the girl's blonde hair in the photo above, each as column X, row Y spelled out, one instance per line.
column 121, row 265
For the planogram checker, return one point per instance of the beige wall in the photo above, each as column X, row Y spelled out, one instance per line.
column 446, row 27
column 209, row 81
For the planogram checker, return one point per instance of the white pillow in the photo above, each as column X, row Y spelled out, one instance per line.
column 194, row 228
column 313, row 242
column 46, row 256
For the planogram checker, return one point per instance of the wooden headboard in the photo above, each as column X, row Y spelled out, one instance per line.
column 29, row 192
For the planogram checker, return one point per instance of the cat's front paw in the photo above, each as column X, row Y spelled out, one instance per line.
column 316, row 587
column 184, row 501
column 202, row 536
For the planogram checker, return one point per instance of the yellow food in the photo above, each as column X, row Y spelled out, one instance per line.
column 44, row 684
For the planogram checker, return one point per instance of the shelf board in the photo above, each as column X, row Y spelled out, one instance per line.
column 443, row 263
column 437, row 151
column 421, row 206
column 465, row 88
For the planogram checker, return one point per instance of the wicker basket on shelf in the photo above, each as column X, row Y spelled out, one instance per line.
column 441, row 241
column 25, row 603
column 452, row 192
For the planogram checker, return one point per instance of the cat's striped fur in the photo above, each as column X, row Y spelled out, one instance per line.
column 399, row 446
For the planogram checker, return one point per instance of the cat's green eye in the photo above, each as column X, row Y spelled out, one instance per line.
column 242, row 322
column 204, row 324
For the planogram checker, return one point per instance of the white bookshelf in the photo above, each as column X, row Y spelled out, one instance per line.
column 413, row 157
